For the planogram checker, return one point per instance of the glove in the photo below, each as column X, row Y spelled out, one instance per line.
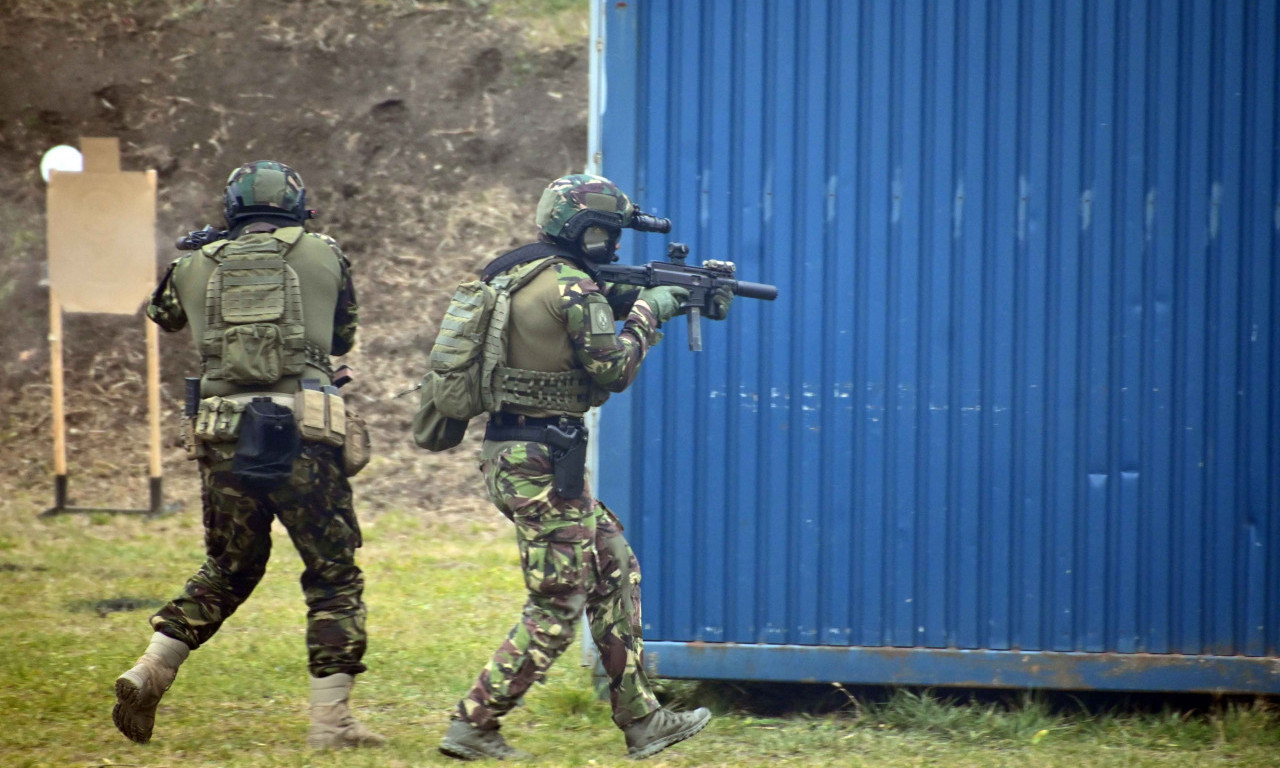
column 666, row 301
column 720, row 302
column 620, row 298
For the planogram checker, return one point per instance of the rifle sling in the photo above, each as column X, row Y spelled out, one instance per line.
column 533, row 252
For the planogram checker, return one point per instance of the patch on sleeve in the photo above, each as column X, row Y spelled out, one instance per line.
column 601, row 318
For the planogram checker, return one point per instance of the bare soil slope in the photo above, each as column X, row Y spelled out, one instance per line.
column 424, row 131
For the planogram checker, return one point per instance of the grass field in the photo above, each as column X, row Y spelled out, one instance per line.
column 77, row 591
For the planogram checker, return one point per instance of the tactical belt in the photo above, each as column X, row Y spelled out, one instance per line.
column 527, row 429
column 279, row 398
column 566, row 441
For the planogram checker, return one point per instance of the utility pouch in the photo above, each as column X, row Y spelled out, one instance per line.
column 268, row 445
column 217, row 420
column 431, row 428
column 569, row 458
column 252, row 354
column 355, row 449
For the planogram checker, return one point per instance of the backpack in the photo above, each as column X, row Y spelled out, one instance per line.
column 469, row 375
column 254, row 332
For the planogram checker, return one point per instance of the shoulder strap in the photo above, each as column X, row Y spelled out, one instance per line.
column 290, row 235
column 521, row 275
column 287, row 236
column 533, row 252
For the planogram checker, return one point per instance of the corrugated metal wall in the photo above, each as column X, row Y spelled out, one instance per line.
column 1021, row 388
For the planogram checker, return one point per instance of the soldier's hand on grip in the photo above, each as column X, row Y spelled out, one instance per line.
column 720, row 302
column 666, row 301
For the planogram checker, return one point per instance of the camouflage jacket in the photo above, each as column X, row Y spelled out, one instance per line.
column 563, row 320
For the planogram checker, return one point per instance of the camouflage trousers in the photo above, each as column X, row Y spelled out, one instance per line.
column 315, row 507
column 574, row 556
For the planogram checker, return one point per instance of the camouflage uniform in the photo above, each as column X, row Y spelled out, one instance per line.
column 314, row 505
column 572, row 551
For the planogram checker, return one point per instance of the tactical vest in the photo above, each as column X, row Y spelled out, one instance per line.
column 470, row 355
column 254, row 332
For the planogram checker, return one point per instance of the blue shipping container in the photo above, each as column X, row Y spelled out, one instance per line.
column 1014, row 418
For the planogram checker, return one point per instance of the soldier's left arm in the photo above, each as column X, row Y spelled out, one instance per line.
column 165, row 307
column 346, row 315
column 612, row 358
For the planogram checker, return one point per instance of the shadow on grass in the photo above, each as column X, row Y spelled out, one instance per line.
column 1157, row 720
column 767, row 699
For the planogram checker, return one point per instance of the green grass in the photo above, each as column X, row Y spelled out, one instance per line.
column 440, row 599
column 547, row 23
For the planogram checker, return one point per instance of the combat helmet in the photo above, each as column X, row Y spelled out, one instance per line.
column 265, row 187
column 585, row 212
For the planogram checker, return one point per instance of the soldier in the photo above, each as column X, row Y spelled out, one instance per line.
column 565, row 354
column 267, row 303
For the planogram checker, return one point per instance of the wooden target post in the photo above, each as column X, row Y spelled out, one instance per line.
column 101, row 238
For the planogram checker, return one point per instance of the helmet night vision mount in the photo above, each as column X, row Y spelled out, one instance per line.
column 596, row 232
column 588, row 213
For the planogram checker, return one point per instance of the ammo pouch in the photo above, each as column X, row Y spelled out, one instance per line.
column 322, row 416
column 217, row 420
column 268, row 445
column 567, row 441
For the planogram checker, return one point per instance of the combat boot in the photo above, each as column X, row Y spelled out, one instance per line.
column 139, row 690
column 661, row 728
column 467, row 742
column 332, row 724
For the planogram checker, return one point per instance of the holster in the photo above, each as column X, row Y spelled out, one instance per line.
column 569, row 458
column 566, row 440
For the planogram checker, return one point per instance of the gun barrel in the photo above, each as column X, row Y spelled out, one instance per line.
column 755, row 290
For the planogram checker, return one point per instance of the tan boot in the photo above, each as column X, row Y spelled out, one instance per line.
column 139, row 690
column 332, row 724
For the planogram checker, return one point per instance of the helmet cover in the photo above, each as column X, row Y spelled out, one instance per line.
column 265, row 187
column 568, row 196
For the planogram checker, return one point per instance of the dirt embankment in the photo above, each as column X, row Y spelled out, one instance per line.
column 424, row 132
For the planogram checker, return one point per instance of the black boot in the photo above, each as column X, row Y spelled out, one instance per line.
column 661, row 728
column 467, row 742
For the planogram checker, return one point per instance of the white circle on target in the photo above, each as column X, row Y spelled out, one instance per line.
column 64, row 158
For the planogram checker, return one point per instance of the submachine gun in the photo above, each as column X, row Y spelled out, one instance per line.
column 194, row 241
column 701, row 281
